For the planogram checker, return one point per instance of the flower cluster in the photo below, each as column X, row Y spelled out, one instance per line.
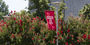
column 27, row 30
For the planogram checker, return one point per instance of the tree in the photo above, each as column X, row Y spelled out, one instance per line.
column 39, row 6
column 3, row 8
column 85, row 11
column 61, row 10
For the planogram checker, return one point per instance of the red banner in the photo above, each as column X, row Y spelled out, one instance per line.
column 50, row 20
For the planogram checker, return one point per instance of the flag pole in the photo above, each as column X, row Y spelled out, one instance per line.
column 56, row 5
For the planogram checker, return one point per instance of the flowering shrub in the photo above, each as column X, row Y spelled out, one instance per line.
column 79, row 30
column 26, row 30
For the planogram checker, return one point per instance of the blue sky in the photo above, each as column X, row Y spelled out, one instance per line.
column 16, row 5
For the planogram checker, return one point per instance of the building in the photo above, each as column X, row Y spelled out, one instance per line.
column 73, row 6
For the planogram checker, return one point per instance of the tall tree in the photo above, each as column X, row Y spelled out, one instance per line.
column 85, row 11
column 39, row 6
column 3, row 8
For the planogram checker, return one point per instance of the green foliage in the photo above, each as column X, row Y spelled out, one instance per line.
column 80, row 29
column 23, row 29
column 3, row 8
column 61, row 10
column 86, row 11
column 39, row 6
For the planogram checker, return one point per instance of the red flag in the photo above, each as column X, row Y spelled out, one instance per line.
column 50, row 20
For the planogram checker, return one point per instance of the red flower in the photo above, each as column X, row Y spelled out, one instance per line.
column 43, row 38
column 12, row 36
column 6, row 25
column 31, row 20
column 21, row 29
column 16, row 22
column 39, row 22
column 60, row 38
column 72, row 36
column 68, row 30
column 61, row 28
column 32, row 38
column 1, row 30
column 33, row 27
column 11, row 11
column 14, row 11
column 84, row 36
column 14, row 18
column 78, row 41
column 37, row 17
column 58, row 21
column 50, row 41
column 65, row 25
column 54, row 41
column 42, row 19
column 61, row 20
column 4, row 22
column 57, row 33
column 56, row 37
column 20, row 22
column 89, row 37
column 39, row 39
column 66, row 43
column 30, row 29
column 72, row 43
column 67, row 37
column 61, row 32
column 34, row 18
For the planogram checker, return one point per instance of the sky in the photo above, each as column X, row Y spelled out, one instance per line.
column 16, row 5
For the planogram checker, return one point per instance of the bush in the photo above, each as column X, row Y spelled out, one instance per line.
column 29, row 30
column 24, row 30
column 80, row 29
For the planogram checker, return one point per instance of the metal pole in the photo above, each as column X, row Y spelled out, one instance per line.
column 57, row 24
column 56, row 5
